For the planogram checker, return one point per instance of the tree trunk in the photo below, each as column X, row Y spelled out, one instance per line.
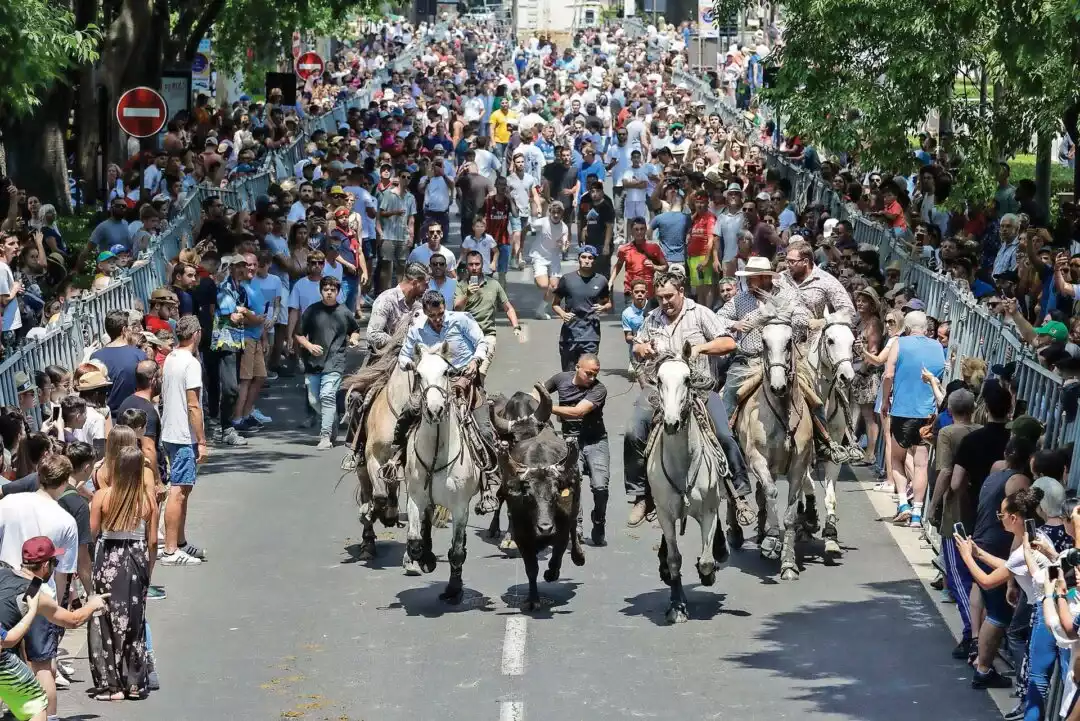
column 35, row 150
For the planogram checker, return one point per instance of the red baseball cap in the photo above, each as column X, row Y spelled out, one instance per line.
column 38, row 549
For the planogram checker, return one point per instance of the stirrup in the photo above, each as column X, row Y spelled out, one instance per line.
column 348, row 463
column 745, row 515
column 487, row 503
column 391, row 471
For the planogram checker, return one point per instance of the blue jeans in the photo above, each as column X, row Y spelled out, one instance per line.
column 1043, row 654
column 502, row 265
column 322, row 391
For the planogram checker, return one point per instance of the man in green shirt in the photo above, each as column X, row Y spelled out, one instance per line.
column 480, row 297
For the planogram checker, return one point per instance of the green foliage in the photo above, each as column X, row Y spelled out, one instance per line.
column 38, row 44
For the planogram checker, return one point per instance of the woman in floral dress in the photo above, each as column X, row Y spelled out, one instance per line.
column 123, row 519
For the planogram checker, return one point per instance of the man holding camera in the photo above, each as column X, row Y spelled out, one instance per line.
column 480, row 297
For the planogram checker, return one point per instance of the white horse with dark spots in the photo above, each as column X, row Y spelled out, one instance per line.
column 684, row 465
column 830, row 361
column 439, row 467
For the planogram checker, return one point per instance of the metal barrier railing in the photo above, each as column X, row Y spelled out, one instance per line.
column 84, row 318
column 973, row 330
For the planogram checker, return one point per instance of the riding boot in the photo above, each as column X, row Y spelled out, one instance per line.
column 599, row 517
column 827, row 448
column 393, row 466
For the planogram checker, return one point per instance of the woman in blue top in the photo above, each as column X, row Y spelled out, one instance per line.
column 909, row 401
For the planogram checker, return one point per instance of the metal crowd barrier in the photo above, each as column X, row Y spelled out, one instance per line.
column 84, row 318
column 973, row 330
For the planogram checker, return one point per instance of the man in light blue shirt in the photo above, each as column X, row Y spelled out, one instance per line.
column 467, row 347
column 1009, row 231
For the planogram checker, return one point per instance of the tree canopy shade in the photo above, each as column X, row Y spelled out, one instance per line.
column 39, row 43
column 862, row 75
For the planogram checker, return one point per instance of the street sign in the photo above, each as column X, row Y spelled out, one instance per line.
column 200, row 63
column 309, row 65
column 141, row 112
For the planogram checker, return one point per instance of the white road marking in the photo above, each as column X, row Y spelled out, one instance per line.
column 512, row 711
column 513, row 656
column 141, row 112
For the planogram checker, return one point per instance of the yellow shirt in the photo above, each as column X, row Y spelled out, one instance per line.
column 500, row 128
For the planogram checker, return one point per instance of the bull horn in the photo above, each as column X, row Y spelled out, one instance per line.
column 543, row 410
column 500, row 424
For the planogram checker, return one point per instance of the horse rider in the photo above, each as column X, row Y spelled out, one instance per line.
column 467, row 349
column 820, row 290
column 395, row 303
column 679, row 320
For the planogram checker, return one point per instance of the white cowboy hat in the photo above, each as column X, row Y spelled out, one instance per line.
column 756, row 265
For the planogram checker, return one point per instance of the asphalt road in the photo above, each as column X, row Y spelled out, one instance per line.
column 282, row 622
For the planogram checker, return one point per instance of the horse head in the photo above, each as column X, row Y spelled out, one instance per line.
column 432, row 366
column 837, row 343
column 777, row 337
column 673, row 384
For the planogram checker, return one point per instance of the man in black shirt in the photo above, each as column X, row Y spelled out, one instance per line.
column 597, row 223
column 560, row 181
column 147, row 384
column 581, row 410
column 579, row 300
column 326, row 330
column 473, row 190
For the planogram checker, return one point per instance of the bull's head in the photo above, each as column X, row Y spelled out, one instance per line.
column 545, row 493
column 521, row 415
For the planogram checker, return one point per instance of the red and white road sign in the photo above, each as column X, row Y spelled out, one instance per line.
column 295, row 44
column 141, row 112
column 309, row 65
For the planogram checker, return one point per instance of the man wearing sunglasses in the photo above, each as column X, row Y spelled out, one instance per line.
column 434, row 234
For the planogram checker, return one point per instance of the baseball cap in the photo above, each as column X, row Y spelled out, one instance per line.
column 39, row 549
column 118, row 249
column 914, row 304
column 590, row 249
column 1026, row 426
column 105, row 255
column 762, row 196
column 1054, row 328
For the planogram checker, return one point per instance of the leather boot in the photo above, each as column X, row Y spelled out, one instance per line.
column 599, row 518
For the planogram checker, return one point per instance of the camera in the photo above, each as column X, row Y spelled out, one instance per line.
column 1069, row 559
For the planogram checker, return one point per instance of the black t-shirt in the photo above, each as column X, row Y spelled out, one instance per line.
column 590, row 428
column 578, row 295
column 597, row 220
column 12, row 588
column 205, row 297
column 977, row 452
column 153, row 424
column 474, row 190
column 989, row 534
column 219, row 231
column 328, row 326
column 559, row 178
column 79, row 509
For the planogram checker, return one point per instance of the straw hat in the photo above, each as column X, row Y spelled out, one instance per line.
column 756, row 265
column 872, row 296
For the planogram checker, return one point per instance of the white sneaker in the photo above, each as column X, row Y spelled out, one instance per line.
column 231, row 438
column 61, row 680
column 66, row 668
column 179, row 558
column 260, row 416
column 324, row 444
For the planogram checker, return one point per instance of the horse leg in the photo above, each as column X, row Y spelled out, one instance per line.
column 810, row 522
column 789, row 569
column 417, row 515
column 427, row 555
column 709, row 523
column 735, row 537
column 768, row 522
column 454, row 589
column 662, row 557
column 832, row 542
column 676, row 611
column 366, row 552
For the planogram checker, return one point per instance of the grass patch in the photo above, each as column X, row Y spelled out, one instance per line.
column 1023, row 167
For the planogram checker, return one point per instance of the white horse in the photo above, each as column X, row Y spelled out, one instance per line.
column 439, row 467
column 830, row 361
column 776, row 431
column 684, row 464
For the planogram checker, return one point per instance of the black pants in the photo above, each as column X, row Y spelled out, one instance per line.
column 210, row 380
column 570, row 352
column 228, row 371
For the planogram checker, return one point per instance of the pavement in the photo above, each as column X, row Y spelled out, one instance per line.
column 284, row 623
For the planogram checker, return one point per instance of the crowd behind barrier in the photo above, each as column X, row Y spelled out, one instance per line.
column 974, row 331
column 83, row 321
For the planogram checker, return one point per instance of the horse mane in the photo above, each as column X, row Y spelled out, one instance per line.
column 376, row 372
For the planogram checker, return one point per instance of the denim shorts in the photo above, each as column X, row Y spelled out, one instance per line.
column 42, row 640
column 182, row 466
column 998, row 611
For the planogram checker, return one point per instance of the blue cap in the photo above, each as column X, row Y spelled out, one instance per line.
column 590, row 249
column 118, row 249
column 245, row 99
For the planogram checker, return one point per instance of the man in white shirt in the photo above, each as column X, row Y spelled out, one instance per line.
column 550, row 240
column 298, row 211
column 635, row 183
column 438, row 193
column 183, row 437
column 434, row 235
column 618, row 162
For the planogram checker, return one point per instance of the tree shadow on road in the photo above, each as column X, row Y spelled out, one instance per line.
column 877, row 659
column 703, row 604
column 246, row 460
column 424, row 601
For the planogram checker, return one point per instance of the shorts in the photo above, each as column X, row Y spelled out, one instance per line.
column 19, row 690
column 702, row 264
column 502, row 263
column 42, row 640
column 517, row 223
column 635, row 209
column 182, row 466
column 998, row 611
column 905, row 431
column 544, row 266
column 252, row 360
column 485, row 366
column 396, row 249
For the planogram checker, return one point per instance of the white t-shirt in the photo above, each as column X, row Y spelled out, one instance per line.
column 93, row 429
column 636, row 195
column 548, row 237
column 423, row 253
column 297, row 212
column 621, row 155
column 26, row 515
column 180, row 374
column 12, row 316
column 483, row 246
column 304, row 293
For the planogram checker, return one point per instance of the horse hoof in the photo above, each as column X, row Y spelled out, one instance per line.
column 789, row 574
column 735, row 538
column 551, row 575
column 803, row 535
column 577, row 556
column 411, row 567
column 707, row 573
column 676, row 613
column 832, row 552
column 414, row 548
column 427, row 562
column 532, row 605
column 452, row 596
column 366, row 552
column 770, row 548
column 830, row 531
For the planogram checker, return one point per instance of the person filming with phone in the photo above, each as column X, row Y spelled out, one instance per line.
column 481, row 297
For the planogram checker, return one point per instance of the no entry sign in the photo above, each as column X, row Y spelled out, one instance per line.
column 141, row 112
column 309, row 65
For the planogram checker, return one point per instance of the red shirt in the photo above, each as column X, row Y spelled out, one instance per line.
column 153, row 324
column 701, row 230
column 634, row 262
column 497, row 217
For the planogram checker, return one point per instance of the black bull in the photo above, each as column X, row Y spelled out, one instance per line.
column 541, row 485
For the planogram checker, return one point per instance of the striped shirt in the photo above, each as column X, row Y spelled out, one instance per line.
column 746, row 306
column 386, row 313
column 695, row 323
column 395, row 227
column 819, row 289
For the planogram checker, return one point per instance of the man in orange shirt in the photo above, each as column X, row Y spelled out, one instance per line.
column 641, row 259
column 701, row 258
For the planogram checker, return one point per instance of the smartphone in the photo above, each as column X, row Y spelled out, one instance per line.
column 1053, row 572
column 958, row 529
column 701, row 272
column 33, row 588
column 56, row 413
column 474, row 280
column 1030, row 528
